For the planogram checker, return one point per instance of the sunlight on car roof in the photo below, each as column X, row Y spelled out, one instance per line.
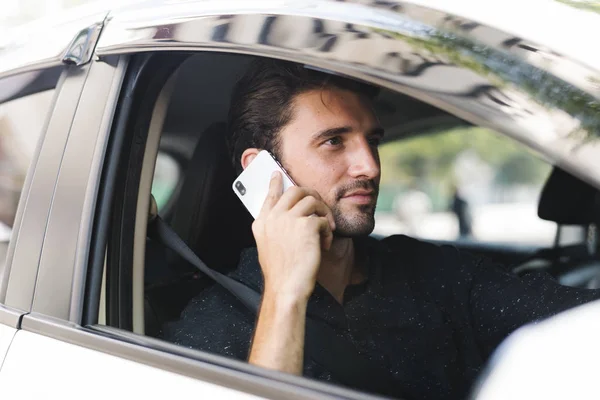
column 577, row 27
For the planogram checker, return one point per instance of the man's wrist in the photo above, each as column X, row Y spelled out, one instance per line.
column 284, row 301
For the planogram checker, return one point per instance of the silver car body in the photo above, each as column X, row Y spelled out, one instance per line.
column 529, row 75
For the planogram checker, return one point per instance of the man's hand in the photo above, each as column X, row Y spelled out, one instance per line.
column 290, row 231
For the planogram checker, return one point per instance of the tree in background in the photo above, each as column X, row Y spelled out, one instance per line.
column 428, row 161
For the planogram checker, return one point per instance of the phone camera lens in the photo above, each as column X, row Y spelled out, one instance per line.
column 240, row 188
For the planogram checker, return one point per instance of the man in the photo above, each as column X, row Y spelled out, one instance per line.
column 429, row 315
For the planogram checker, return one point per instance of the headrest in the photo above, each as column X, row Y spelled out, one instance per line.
column 567, row 200
column 208, row 215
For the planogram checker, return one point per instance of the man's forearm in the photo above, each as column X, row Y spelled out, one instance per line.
column 279, row 335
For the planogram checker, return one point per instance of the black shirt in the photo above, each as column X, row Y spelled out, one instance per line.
column 430, row 315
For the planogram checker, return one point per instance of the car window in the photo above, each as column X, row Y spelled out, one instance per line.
column 167, row 173
column 21, row 122
column 467, row 183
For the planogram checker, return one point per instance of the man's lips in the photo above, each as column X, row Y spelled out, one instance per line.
column 360, row 196
column 360, row 192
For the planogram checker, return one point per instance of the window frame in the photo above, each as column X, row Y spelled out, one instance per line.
column 151, row 73
column 66, row 248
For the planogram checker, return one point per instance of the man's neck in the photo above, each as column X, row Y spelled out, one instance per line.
column 340, row 268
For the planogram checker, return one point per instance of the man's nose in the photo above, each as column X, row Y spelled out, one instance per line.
column 364, row 161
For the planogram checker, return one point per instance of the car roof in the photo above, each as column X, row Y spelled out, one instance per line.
column 562, row 29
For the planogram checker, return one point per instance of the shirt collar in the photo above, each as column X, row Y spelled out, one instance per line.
column 322, row 304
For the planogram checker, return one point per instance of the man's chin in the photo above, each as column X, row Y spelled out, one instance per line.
column 353, row 229
column 353, row 221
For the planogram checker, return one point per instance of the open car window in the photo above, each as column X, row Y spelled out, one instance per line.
column 467, row 183
column 429, row 182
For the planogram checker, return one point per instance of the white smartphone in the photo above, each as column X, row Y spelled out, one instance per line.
column 252, row 186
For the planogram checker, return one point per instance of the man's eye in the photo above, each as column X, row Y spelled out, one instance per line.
column 375, row 141
column 334, row 141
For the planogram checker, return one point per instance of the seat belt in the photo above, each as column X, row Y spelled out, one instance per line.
column 323, row 345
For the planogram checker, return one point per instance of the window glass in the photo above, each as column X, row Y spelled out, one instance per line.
column 467, row 183
column 21, row 122
column 166, row 176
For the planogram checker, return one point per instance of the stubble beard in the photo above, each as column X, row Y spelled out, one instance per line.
column 360, row 223
column 361, row 220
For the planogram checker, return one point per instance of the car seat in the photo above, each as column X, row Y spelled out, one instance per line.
column 568, row 200
column 209, row 217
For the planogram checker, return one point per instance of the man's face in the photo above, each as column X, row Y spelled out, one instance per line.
column 330, row 145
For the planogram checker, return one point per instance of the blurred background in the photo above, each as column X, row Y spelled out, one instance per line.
column 467, row 183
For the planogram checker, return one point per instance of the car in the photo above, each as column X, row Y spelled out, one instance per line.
column 524, row 368
column 111, row 117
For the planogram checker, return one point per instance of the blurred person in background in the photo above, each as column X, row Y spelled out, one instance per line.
column 461, row 208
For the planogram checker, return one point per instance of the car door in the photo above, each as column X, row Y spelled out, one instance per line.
column 35, row 104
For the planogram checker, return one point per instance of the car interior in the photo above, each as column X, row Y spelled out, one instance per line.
column 203, row 210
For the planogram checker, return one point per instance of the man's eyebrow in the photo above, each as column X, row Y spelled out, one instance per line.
column 340, row 130
column 327, row 133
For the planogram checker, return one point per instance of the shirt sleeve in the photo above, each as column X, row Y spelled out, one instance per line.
column 500, row 301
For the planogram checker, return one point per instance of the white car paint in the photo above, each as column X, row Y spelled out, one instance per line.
column 555, row 359
column 6, row 336
column 66, row 371
column 515, row 16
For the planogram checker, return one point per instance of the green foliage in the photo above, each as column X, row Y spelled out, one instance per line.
column 432, row 157
column 162, row 193
column 520, row 168
column 427, row 162
column 502, row 69
column 587, row 5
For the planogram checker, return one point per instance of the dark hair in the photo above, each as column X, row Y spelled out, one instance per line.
column 262, row 99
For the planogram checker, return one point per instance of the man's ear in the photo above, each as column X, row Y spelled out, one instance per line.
column 248, row 155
